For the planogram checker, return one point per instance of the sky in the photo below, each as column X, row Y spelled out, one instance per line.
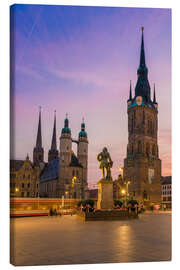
column 80, row 60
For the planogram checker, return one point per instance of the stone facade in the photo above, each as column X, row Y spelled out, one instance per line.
column 24, row 178
column 72, row 181
column 142, row 166
column 166, row 191
column 105, row 194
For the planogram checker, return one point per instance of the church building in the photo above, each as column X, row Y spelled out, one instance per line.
column 65, row 174
column 142, row 166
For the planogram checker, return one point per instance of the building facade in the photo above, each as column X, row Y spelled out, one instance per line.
column 142, row 166
column 166, row 191
column 24, row 178
column 65, row 173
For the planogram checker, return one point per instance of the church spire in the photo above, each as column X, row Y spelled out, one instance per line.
column 53, row 152
column 66, row 128
column 53, row 143
column 39, row 137
column 38, row 153
column 142, row 86
column 142, row 56
column 154, row 98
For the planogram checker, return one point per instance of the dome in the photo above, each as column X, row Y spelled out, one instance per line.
column 66, row 128
column 82, row 133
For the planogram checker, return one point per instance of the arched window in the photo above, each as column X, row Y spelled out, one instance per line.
column 132, row 123
column 153, row 150
column 132, row 148
column 139, row 147
column 147, row 148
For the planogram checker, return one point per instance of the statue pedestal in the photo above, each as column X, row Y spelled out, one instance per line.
column 105, row 194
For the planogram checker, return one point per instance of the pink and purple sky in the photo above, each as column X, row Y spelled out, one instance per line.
column 80, row 60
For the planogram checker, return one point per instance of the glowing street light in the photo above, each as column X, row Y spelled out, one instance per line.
column 123, row 191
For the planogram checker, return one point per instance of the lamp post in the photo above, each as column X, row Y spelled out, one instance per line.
column 16, row 190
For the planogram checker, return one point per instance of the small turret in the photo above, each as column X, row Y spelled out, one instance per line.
column 154, row 98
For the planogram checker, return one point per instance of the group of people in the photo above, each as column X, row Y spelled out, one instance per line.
column 53, row 212
column 87, row 208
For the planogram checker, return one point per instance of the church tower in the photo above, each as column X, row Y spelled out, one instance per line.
column 38, row 153
column 82, row 150
column 65, row 156
column 142, row 166
column 53, row 152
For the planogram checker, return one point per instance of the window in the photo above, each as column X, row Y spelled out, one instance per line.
column 28, row 194
column 37, row 185
column 22, row 194
column 22, row 185
column 154, row 150
column 28, row 185
column 147, row 148
column 139, row 147
column 37, row 194
column 73, row 173
column 77, row 173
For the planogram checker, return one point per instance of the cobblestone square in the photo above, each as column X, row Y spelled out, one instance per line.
column 68, row 240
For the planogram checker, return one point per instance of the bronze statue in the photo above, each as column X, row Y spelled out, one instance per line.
column 105, row 163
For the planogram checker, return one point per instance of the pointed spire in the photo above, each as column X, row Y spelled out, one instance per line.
column 27, row 157
column 53, row 143
column 38, row 152
column 39, row 137
column 154, row 99
column 142, row 56
column 142, row 86
column 130, row 92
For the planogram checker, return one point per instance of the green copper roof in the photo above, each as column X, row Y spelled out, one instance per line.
column 66, row 128
column 83, row 133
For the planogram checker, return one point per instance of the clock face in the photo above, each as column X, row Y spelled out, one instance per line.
column 139, row 100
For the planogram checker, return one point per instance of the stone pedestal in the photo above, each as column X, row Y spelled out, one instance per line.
column 105, row 194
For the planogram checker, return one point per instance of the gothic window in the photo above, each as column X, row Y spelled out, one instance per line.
column 147, row 148
column 132, row 123
column 22, row 185
column 154, row 150
column 132, row 149
column 27, row 194
column 73, row 173
column 139, row 147
column 28, row 185
column 144, row 194
column 77, row 173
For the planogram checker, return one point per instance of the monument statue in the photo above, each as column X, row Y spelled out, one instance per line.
column 106, row 162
